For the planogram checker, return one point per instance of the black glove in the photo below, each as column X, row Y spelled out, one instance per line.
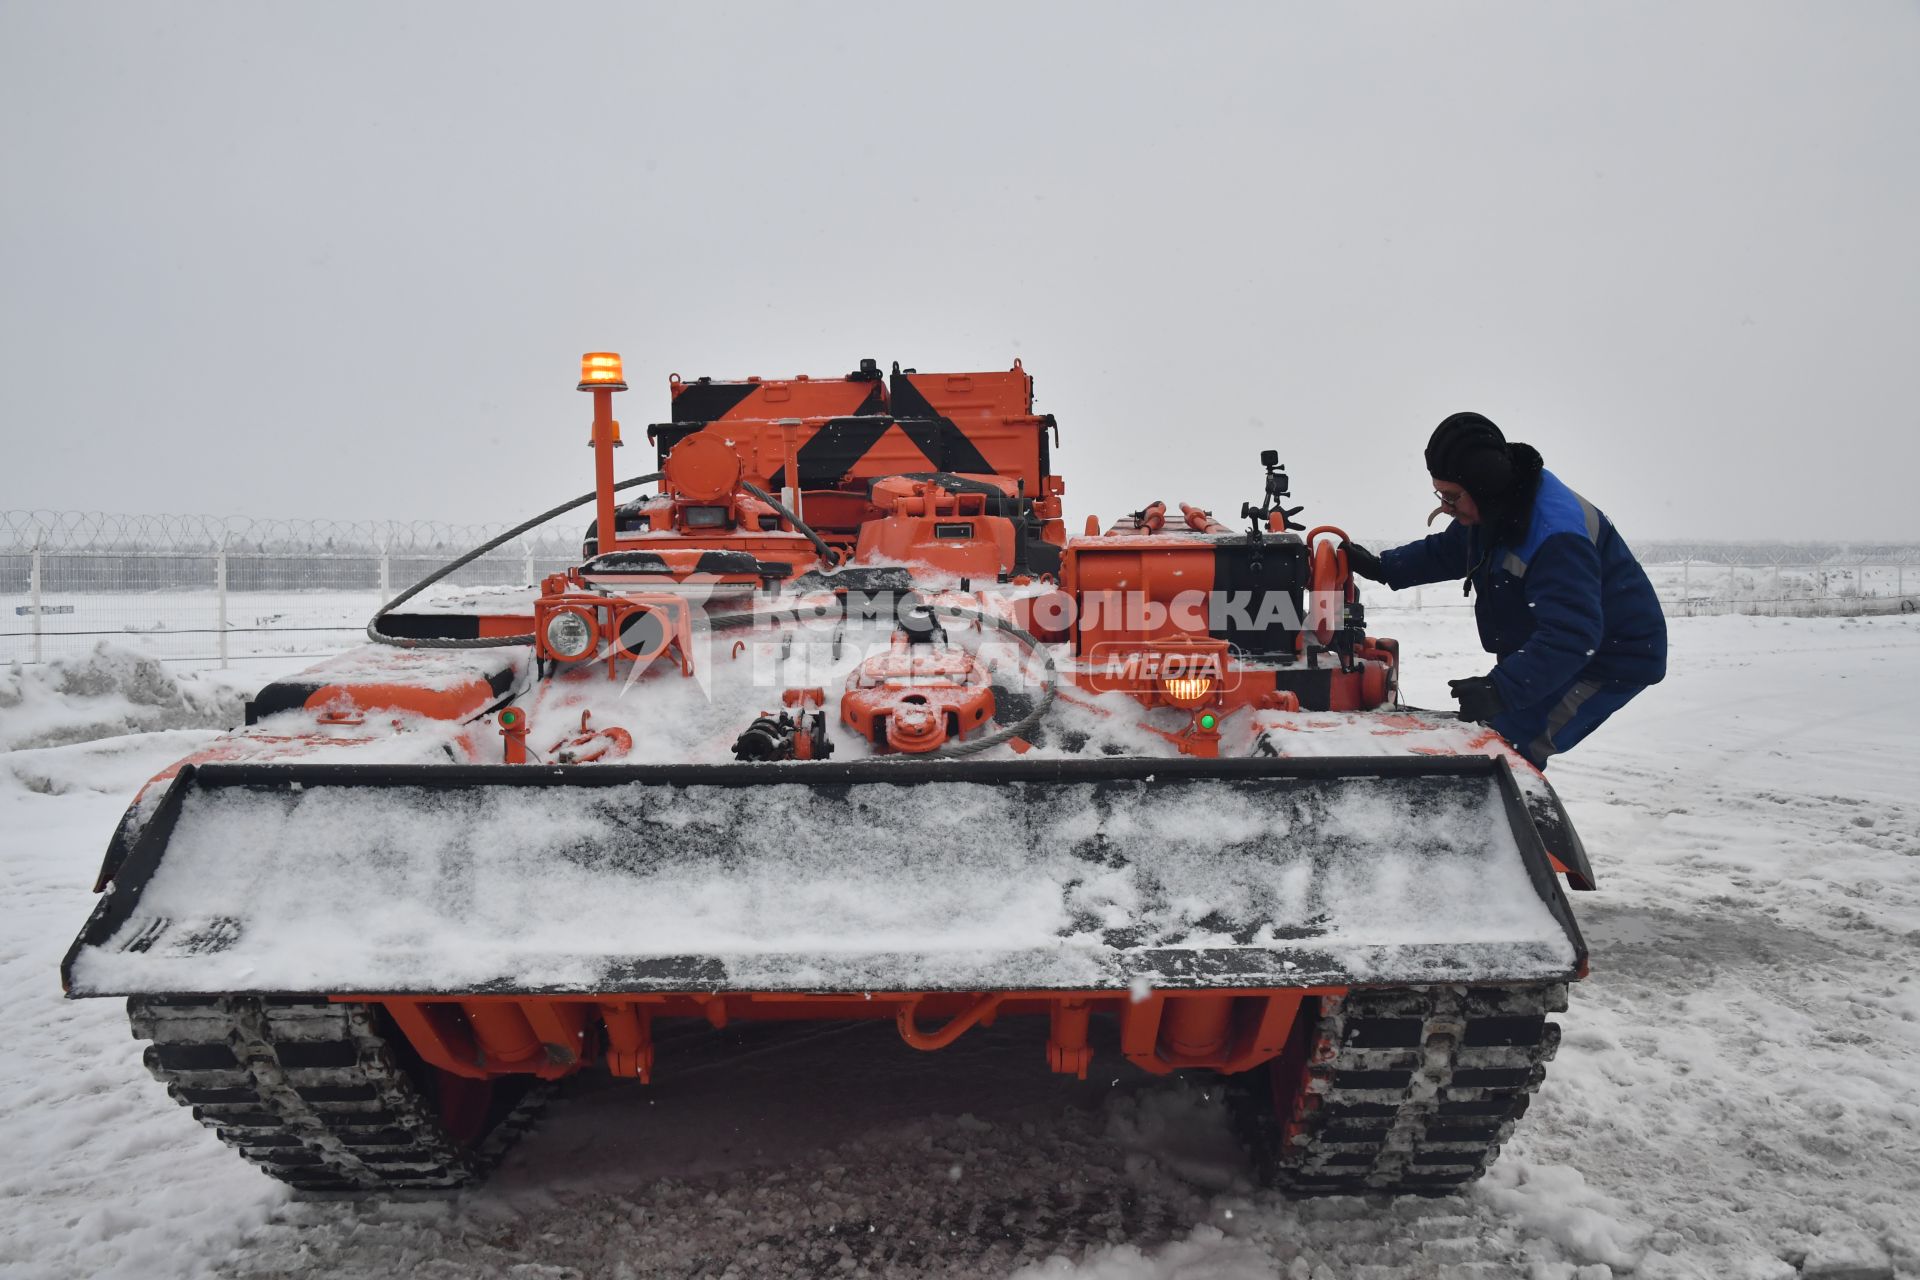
column 1362, row 561
column 1479, row 699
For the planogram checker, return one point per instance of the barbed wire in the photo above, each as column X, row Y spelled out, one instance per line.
column 133, row 533
column 105, row 531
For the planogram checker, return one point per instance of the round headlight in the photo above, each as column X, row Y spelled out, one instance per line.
column 569, row 634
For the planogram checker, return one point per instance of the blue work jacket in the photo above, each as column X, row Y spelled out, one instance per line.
column 1566, row 601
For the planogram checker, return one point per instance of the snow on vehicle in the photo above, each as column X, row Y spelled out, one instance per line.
column 840, row 723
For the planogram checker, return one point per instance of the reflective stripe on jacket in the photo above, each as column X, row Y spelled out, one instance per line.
column 1567, row 600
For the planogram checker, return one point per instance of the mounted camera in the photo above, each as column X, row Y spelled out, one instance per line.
column 1273, row 499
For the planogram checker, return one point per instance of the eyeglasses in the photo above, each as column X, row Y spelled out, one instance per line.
column 1448, row 502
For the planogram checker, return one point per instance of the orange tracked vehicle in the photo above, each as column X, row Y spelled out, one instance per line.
column 837, row 722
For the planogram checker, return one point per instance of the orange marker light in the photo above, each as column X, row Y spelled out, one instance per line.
column 1187, row 691
column 600, row 370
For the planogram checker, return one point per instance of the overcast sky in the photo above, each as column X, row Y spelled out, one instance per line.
column 341, row 260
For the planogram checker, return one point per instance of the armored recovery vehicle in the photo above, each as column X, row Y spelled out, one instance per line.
column 838, row 722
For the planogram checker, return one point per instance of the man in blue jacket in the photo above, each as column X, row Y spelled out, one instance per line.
column 1563, row 605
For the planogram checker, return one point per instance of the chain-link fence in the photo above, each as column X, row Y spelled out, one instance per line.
column 204, row 589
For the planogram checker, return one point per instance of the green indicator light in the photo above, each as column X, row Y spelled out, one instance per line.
column 509, row 717
column 1207, row 721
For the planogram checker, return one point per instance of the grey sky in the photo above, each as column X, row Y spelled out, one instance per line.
column 341, row 260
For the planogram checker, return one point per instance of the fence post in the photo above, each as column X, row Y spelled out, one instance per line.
column 386, row 572
column 33, row 598
column 529, row 555
column 1416, row 598
column 220, row 590
column 1686, row 576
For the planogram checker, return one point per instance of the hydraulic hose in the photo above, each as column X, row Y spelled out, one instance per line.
column 827, row 553
column 480, row 642
column 1050, row 685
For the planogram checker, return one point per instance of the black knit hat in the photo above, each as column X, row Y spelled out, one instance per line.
column 1469, row 450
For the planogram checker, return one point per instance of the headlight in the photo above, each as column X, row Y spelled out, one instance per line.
column 1187, row 691
column 569, row 634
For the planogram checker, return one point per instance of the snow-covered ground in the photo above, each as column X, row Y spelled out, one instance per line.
column 1737, row 1094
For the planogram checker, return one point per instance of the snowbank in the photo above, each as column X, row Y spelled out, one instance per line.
column 109, row 692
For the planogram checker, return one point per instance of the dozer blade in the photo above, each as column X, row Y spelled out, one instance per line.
column 880, row 875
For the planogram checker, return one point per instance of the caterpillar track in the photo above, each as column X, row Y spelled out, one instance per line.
column 1405, row 1091
column 316, row 1095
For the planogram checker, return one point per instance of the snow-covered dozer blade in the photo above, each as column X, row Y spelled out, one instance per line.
column 881, row 875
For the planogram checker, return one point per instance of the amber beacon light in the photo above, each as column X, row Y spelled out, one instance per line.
column 600, row 371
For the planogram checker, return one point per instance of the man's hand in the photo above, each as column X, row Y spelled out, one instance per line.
column 1362, row 561
column 1479, row 699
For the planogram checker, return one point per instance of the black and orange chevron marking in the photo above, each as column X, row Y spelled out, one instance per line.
column 856, row 428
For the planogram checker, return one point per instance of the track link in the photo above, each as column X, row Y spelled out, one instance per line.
column 1405, row 1091
column 312, row 1092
